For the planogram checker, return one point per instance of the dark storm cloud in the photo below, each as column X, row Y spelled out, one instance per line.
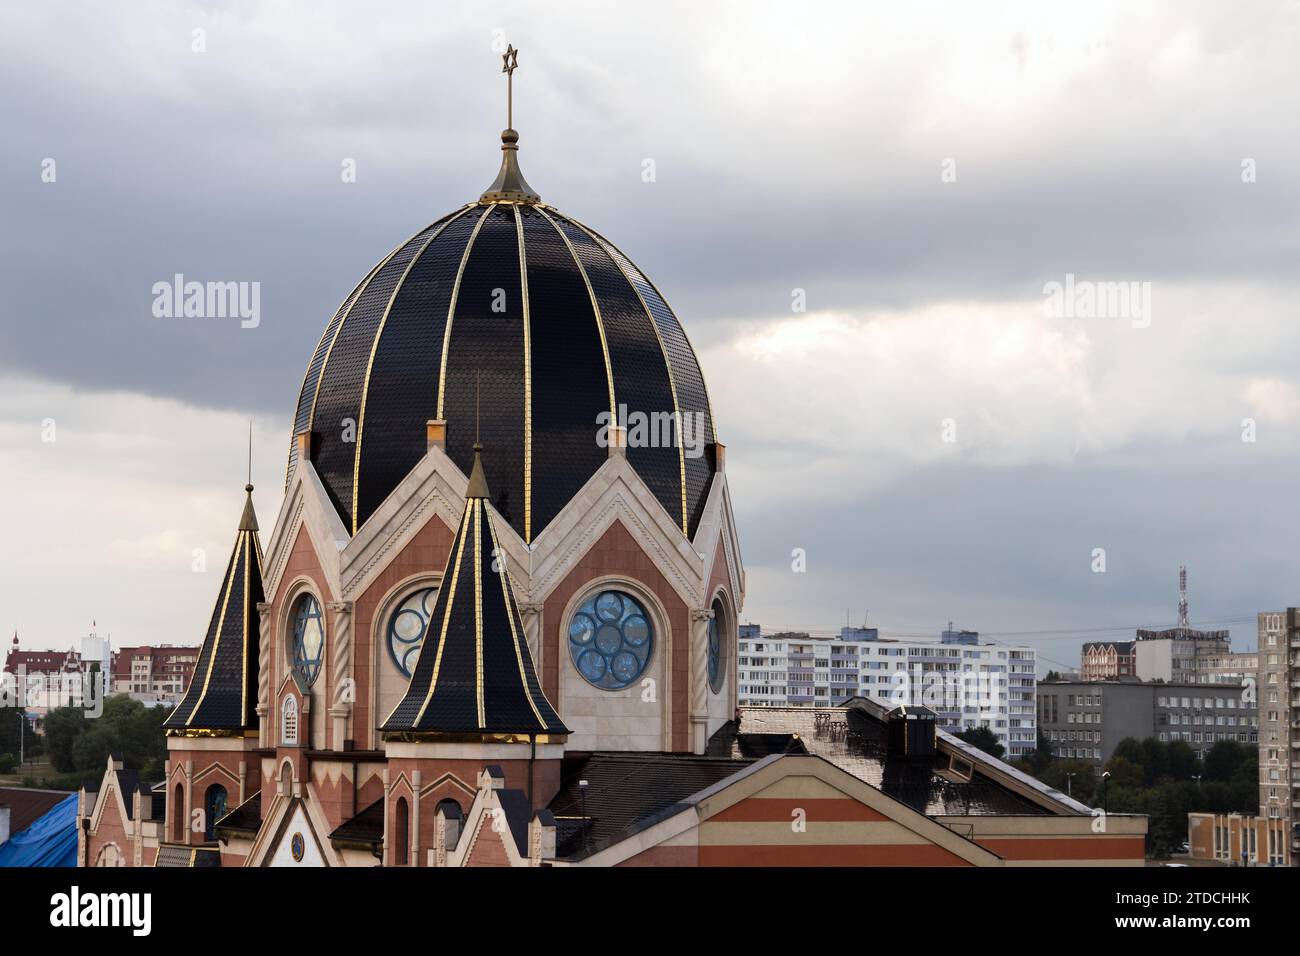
column 226, row 166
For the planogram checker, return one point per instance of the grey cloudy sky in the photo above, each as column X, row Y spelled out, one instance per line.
column 796, row 146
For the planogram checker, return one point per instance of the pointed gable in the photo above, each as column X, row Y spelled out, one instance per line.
column 222, row 695
column 475, row 674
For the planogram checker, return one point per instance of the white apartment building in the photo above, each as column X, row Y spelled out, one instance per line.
column 967, row 684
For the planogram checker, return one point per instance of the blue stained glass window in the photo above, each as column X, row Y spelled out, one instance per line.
column 407, row 627
column 611, row 640
column 717, row 655
column 214, row 809
column 308, row 638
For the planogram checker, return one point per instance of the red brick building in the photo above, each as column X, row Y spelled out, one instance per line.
column 495, row 622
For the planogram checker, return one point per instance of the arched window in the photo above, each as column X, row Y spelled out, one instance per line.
column 289, row 721
column 109, row 855
column 214, row 808
column 178, row 814
column 611, row 639
column 308, row 638
column 286, row 779
column 452, row 819
column 401, row 833
column 406, row 629
column 719, row 641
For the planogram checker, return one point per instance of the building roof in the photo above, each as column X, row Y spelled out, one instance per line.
column 222, row 694
column 475, row 674
column 179, row 855
column 26, row 806
column 364, row 829
column 855, row 738
column 245, row 818
column 559, row 327
column 625, row 793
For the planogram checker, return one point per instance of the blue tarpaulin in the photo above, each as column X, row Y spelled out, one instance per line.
column 50, row 841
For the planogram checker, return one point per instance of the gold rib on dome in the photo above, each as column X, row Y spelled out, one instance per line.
column 672, row 381
column 595, row 308
column 374, row 347
column 451, row 309
column 528, row 382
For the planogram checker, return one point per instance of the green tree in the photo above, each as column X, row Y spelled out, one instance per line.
column 1183, row 764
column 1223, row 760
column 1074, row 777
column 1124, row 772
column 983, row 738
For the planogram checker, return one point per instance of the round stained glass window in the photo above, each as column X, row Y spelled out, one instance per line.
column 308, row 638
column 407, row 627
column 610, row 640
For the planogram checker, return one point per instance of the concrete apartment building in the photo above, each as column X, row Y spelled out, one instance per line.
column 1279, row 723
column 1236, row 840
column 1086, row 720
column 154, row 674
column 968, row 684
column 1108, row 660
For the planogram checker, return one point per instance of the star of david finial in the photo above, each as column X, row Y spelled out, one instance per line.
column 510, row 63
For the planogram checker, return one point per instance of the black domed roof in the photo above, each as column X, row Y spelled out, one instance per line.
column 552, row 326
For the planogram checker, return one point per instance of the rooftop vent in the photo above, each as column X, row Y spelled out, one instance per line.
column 911, row 732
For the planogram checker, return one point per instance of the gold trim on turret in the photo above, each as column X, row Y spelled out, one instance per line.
column 446, row 619
column 374, row 348
column 510, row 616
column 477, row 505
column 221, row 621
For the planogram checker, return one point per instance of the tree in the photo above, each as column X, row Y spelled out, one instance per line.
column 983, row 738
column 1042, row 755
column 78, row 743
column 1183, row 764
column 1074, row 777
column 1124, row 772
column 1223, row 759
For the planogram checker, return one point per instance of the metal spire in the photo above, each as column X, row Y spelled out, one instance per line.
column 1182, row 596
column 510, row 185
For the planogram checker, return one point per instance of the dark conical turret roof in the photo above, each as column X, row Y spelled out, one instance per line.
column 475, row 674
column 221, row 697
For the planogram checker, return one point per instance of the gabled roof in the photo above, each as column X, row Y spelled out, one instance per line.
column 27, row 805
column 245, row 818
column 625, row 793
column 366, row 829
column 854, row 737
column 475, row 674
column 222, row 696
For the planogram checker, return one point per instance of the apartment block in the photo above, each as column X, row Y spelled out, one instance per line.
column 968, row 684
column 1086, row 720
column 1279, row 724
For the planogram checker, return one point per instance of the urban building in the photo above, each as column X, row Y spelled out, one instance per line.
column 966, row 683
column 484, row 633
column 1279, row 721
column 1185, row 655
column 1086, row 720
column 40, row 680
column 1109, row 660
column 1237, row 840
column 153, row 674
